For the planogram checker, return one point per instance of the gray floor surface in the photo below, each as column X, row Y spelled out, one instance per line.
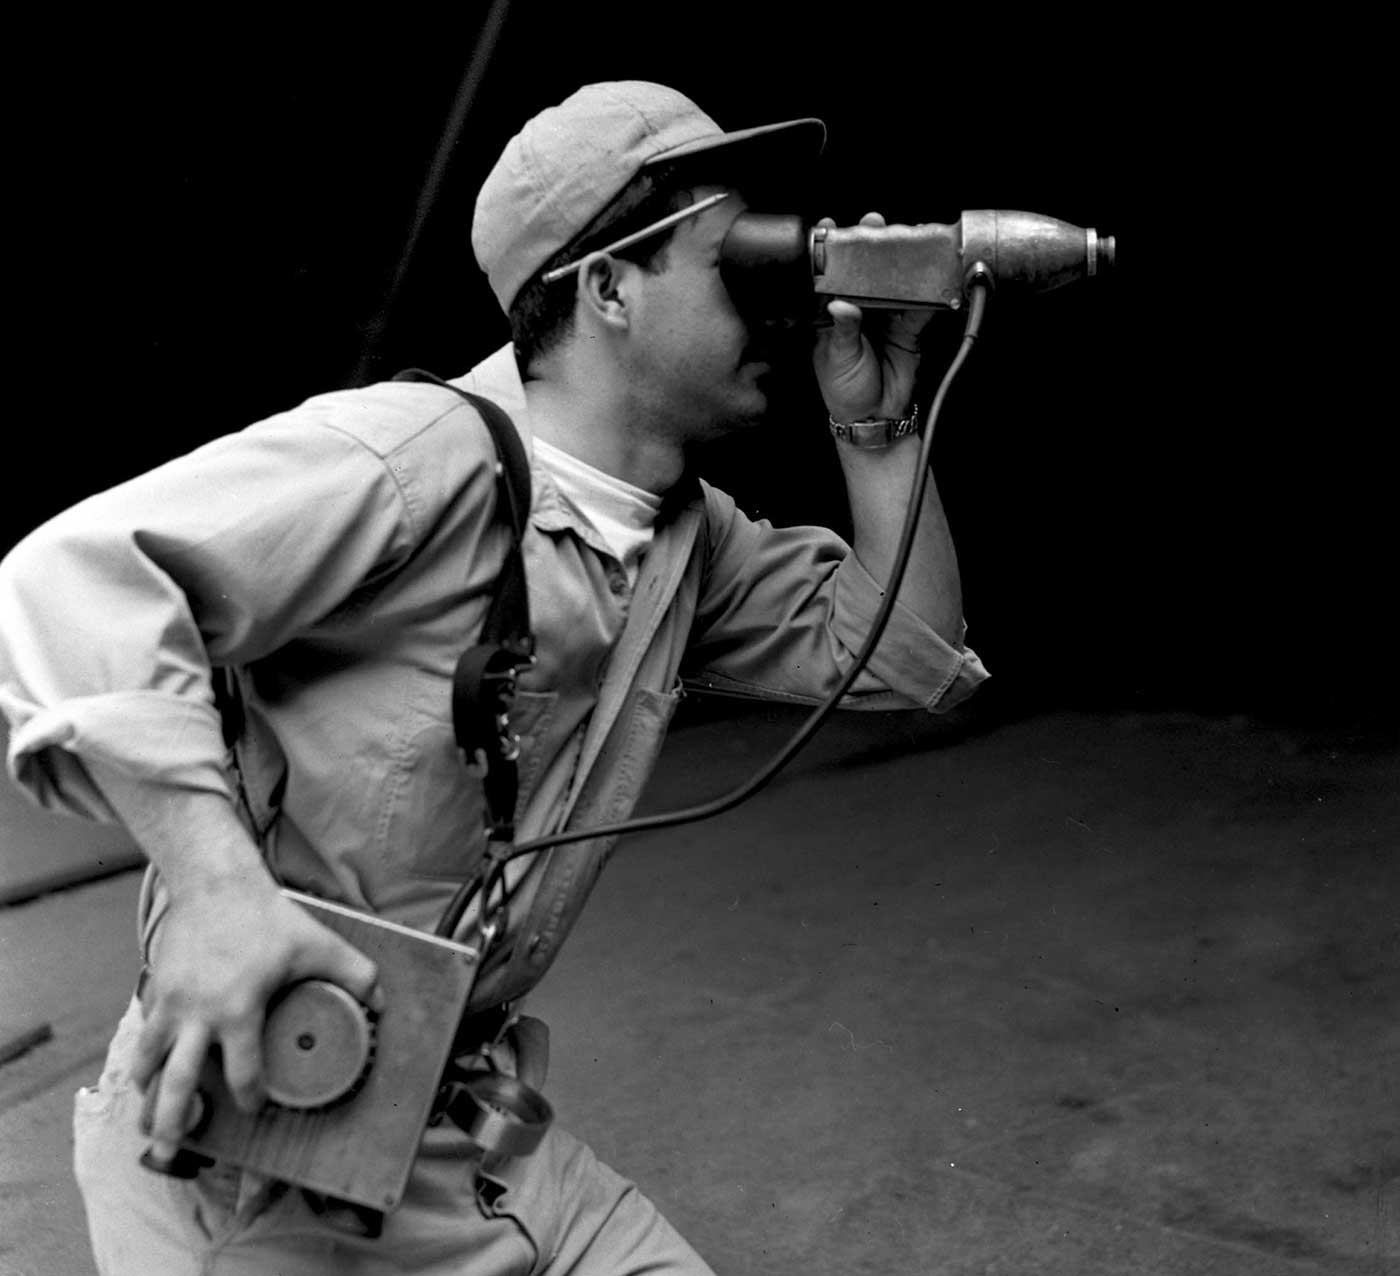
column 1069, row 995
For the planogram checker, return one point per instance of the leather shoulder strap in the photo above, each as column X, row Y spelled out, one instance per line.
column 508, row 621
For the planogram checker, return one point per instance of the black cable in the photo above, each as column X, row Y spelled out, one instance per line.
column 492, row 872
column 458, row 905
column 977, row 303
column 492, row 924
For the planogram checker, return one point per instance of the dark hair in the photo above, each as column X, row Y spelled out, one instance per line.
column 542, row 314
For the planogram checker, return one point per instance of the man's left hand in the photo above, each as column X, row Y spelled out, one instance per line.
column 866, row 365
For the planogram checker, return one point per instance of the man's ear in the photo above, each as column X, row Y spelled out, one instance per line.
column 602, row 289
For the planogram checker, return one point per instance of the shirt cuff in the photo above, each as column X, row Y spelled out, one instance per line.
column 148, row 735
column 911, row 658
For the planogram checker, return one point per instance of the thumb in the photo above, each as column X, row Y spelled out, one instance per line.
column 843, row 338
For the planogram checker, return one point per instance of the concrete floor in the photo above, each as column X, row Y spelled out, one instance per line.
column 1057, row 996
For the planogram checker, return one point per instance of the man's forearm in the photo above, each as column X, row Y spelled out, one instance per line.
column 194, row 839
column 879, row 483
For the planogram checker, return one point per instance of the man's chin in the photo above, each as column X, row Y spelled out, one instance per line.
column 753, row 408
column 763, row 377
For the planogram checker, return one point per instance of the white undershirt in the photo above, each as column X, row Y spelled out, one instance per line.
column 624, row 516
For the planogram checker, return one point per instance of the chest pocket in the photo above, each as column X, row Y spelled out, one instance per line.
column 438, row 802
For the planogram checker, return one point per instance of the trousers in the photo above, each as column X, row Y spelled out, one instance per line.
column 558, row 1211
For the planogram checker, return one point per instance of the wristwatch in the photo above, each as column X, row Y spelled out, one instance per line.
column 876, row 432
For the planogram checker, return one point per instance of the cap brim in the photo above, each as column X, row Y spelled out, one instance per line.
column 793, row 139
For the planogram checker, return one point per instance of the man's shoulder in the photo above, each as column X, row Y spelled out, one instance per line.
column 396, row 419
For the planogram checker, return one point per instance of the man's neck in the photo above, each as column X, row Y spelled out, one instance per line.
column 584, row 422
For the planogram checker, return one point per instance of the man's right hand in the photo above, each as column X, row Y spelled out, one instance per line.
column 223, row 949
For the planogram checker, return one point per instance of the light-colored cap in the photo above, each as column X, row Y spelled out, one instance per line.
column 569, row 162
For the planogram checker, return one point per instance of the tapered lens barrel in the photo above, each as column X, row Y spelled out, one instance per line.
column 1033, row 251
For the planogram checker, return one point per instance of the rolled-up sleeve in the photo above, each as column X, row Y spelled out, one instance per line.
column 112, row 613
column 783, row 612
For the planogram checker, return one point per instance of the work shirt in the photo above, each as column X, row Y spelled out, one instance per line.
column 338, row 558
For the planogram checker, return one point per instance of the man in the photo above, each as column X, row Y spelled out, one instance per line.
column 338, row 558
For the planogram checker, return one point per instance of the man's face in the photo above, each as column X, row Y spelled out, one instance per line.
column 697, row 368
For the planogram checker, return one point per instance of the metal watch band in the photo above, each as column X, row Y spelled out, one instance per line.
column 875, row 433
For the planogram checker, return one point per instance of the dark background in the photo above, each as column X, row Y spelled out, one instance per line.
column 1165, row 489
